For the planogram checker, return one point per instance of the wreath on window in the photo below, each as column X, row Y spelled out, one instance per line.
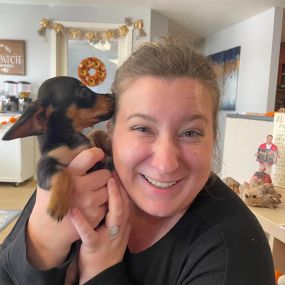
column 91, row 71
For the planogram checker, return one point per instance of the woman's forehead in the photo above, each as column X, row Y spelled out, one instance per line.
column 163, row 90
column 181, row 98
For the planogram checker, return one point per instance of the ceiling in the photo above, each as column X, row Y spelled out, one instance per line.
column 202, row 17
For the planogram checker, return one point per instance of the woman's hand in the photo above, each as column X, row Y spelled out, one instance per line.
column 49, row 242
column 104, row 246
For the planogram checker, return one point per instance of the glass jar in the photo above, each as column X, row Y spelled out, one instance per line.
column 24, row 89
column 10, row 88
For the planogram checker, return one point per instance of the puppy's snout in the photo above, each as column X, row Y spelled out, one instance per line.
column 107, row 105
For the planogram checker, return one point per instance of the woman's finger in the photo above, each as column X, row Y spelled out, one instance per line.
column 84, row 229
column 85, row 160
column 94, row 180
column 115, row 211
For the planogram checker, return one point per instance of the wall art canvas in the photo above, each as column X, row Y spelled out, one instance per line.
column 226, row 66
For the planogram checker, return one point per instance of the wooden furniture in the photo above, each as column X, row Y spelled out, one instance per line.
column 271, row 221
column 280, row 92
column 281, row 67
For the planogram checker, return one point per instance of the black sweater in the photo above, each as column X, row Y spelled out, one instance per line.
column 218, row 241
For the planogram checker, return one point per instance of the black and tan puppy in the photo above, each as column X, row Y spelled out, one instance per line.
column 64, row 107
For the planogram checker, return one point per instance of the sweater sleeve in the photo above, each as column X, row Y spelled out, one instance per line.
column 115, row 275
column 14, row 266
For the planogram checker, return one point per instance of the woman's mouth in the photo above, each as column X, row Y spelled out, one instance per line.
column 159, row 184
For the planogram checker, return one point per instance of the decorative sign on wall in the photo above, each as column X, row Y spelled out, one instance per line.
column 12, row 57
column 226, row 67
column 278, row 169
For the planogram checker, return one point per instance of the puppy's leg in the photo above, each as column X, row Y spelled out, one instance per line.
column 61, row 187
column 53, row 176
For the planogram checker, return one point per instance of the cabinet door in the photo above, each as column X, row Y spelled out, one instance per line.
column 27, row 157
column 17, row 159
column 10, row 160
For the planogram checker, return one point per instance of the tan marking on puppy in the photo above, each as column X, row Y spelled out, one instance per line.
column 64, row 154
column 87, row 117
column 60, row 197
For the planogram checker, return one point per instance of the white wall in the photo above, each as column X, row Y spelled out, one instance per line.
column 259, row 38
column 159, row 26
column 22, row 22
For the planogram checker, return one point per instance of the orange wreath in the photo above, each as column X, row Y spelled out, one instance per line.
column 88, row 64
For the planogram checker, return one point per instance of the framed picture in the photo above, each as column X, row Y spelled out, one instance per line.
column 12, row 57
column 226, row 67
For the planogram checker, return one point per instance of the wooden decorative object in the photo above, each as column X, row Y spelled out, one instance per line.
column 12, row 57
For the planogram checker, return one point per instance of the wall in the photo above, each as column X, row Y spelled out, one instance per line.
column 259, row 38
column 22, row 22
column 159, row 25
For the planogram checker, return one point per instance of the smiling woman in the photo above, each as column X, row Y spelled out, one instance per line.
column 163, row 217
column 169, row 149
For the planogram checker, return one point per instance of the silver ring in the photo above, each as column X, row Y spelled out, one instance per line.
column 114, row 230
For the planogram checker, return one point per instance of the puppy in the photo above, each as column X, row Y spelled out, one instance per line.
column 64, row 107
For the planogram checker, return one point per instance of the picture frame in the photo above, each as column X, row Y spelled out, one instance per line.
column 12, row 57
column 226, row 66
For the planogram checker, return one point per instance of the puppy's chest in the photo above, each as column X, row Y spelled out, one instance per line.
column 63, row 147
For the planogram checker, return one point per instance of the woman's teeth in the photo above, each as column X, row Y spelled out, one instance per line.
column 158, row 184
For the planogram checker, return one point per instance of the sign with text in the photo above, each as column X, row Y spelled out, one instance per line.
column 12, row 57
column 278, row 169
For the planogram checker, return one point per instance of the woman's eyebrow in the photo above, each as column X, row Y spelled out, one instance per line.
column 189, row 118
column 196, row 117
column 143, row 116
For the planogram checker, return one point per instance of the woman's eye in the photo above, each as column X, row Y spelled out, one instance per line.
column 141, row 129
column 192, row 133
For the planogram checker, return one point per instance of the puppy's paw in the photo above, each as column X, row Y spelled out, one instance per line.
column 58, row 208
column 59, row 202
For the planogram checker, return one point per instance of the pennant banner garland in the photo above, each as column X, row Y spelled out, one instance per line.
column 91, row 36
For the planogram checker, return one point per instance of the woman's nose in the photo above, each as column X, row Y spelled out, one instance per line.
column 165, row 155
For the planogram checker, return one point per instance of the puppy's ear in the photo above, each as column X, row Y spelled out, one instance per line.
column 33, row 122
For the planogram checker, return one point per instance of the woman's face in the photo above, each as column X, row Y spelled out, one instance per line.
column 163, row 142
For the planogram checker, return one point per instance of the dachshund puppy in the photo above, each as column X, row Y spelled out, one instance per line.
column 64, row 107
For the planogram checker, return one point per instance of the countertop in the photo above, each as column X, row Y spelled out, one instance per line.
column 253, row 116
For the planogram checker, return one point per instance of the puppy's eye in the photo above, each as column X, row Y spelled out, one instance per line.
column 41, row 116
column 253, row 196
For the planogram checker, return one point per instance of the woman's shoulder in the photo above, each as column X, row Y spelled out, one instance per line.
column 221, row 211
column 219, row 206
column 230, row 231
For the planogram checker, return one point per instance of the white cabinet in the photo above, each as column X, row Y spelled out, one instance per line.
column 17, row 158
